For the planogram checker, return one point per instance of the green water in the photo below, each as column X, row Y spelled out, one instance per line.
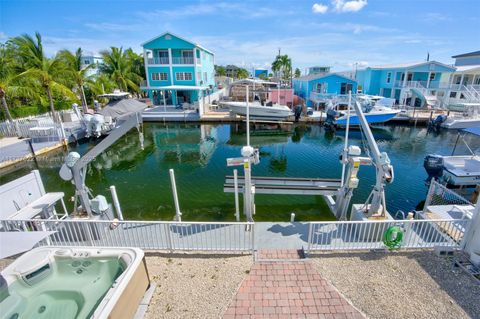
column 198, row 155
column 72, row 289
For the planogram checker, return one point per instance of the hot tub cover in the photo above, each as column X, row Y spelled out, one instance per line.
column 13, row 242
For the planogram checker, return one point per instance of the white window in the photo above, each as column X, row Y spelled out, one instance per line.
column 389, row 77
column 199, row 76
column 205, row 77
column 159, row 76
column 183, row 76
column 321, row 88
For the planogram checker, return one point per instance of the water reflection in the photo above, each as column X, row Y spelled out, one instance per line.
column 198, row 154
column 193, row 144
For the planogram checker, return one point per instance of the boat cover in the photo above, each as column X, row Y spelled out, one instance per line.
column 119, row 108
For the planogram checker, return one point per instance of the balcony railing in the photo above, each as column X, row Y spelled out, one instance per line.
column 182, row 60
column 158, row 60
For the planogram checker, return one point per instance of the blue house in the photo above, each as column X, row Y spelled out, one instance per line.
column 178, row 71
column 407, row 83
column 313, row 87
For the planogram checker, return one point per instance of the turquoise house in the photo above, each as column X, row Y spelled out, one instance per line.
column 407, row 83
column 313, row 88
column 178, row 72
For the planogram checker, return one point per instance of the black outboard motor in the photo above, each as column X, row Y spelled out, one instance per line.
column 331, row 120
column 433, row 164
column 436, row 123
column 298, row 112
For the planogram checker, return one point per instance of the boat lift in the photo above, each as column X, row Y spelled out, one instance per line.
column 341, row 189
column 75, row 167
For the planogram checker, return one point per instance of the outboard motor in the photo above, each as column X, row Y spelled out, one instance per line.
column 436, row 123
column 298, row 112
column 96, row 124
column 433, row 164
column 331, row 120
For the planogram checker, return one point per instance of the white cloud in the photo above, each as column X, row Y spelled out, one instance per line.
column 3, row 35
column 319, row 8
column 348, row 6
column 104, row 26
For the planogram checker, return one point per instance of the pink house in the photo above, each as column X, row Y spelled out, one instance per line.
column 281, row 96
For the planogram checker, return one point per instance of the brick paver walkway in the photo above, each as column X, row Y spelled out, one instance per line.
column 287, row 289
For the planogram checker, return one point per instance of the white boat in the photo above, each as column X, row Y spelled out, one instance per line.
column 377, row 115
column 259, row 111
column 456, row 170
column 376, row 109
column 469, row 118
column 461, row 170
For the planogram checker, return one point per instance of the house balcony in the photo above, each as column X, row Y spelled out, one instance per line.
column 182, row 60
column 158, row 61
column 166, row 61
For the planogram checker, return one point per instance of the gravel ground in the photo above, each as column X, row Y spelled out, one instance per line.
column 194, row 285
column 402, row 285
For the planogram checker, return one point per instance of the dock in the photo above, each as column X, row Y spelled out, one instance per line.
column 286, row 186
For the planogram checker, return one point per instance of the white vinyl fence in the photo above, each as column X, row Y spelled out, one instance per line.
column 149, row 235
column 39, row 127
column 417, row 234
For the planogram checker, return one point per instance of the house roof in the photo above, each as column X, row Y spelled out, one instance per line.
column 408, row 65
column 177, row 36
column 468, row 68
column 464, row 55
column 316, row 76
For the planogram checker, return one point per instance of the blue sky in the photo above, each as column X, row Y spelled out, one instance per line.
column 338, row 33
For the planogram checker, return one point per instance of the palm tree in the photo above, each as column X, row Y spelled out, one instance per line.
column 11, row 85
column 220, row 70
column 117, row 65
column 242, row 73
column 298, row 73
column 46, row 71
column 73, row 61
column 283, row 64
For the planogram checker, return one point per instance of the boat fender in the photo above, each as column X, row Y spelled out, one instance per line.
column 393, row 236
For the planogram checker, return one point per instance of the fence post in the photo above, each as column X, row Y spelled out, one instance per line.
column 253, row 239
column 309, row 241
column 169, row 238
column 116, row 203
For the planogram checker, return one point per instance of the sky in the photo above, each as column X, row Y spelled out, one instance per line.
column 337, row 33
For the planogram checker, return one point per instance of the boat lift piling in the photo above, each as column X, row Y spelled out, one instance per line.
column 237, row 205
column 178, row 214
column 116, row 202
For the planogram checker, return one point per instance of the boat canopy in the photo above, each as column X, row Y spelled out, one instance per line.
column 473, row 130
column 119, row 108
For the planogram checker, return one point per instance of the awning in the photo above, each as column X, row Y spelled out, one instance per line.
column 472, row 130
column 14, row 242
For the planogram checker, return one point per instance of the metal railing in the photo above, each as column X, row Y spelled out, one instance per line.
column 361, row 235
column 158, row 60
column 438, row 194
column 182, row 60
column 149, row 235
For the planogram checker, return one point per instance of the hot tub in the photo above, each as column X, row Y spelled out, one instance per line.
column 80, row 282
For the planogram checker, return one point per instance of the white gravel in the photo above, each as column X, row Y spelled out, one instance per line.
column 195, row 285
column 402, row 285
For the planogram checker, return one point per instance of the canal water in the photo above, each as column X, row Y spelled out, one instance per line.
column 198, row 153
